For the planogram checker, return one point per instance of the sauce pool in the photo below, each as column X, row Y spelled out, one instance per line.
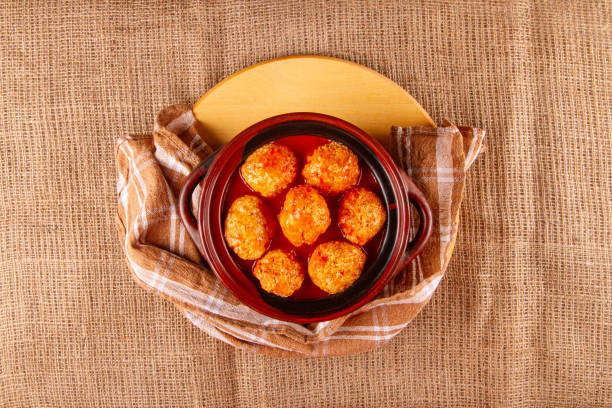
column 302, row 146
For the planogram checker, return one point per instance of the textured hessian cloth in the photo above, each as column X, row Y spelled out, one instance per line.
column 523, row 315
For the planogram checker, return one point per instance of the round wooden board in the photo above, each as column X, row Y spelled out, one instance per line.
column 307, row 83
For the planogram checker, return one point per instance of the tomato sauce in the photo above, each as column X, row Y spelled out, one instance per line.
column 302, row 146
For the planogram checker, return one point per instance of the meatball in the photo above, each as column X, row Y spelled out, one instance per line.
column 332, row 168
column 249, row 227
column 335, row 265
column 279, row 272
column 270, row 169
column 360, row 215
column 304, row 215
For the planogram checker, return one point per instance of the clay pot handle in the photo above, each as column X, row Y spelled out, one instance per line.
column 417, row 198
column 191, row 183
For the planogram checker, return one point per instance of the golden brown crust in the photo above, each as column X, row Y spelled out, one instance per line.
column 270, row 169
column 249, row 227
column 332, row 168
column 279, row 272
column 335, row 265
column 361, row 215
column 304, row 216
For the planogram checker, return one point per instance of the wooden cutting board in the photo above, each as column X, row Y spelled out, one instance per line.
column 307, row 83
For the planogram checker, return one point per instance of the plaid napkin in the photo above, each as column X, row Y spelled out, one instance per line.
column 163, row 258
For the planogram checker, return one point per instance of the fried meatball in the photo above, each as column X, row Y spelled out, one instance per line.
column 360, row 215
column 304, row 215
column 335, row 265
column 332, row 168
column 279, row 272
column 249, row 227
column 270, row 169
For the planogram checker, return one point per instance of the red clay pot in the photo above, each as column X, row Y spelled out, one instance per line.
column 398, row 192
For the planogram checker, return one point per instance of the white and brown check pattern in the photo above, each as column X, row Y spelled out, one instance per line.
column 163, row 259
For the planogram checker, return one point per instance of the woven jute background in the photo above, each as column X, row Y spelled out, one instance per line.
column 523, row 315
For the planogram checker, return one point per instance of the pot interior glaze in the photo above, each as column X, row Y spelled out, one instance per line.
column 378, row 250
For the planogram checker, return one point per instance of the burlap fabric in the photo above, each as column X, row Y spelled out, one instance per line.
column 523, row 314
column 164, row 259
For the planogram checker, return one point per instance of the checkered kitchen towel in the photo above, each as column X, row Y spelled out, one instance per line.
column 163, row 259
